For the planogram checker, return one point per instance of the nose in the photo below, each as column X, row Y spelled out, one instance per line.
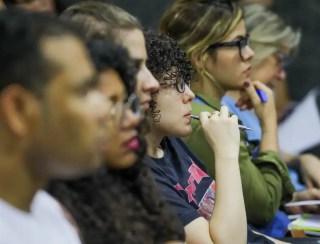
column 188, row 94
column 248, row 53
column 150, row 84
column 130, row 120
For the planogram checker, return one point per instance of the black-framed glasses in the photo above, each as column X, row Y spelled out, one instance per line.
column 178, row 82
column 242, row 43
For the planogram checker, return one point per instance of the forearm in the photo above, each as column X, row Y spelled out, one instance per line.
column 269, row 140
column 229, row 215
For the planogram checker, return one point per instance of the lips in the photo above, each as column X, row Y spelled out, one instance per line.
column 133, row 144
column 145, row 104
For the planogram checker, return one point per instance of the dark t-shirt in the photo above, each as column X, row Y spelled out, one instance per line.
column 183, row 180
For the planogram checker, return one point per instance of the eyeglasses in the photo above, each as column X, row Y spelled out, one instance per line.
column 283, row 59
column 118, row 109
column 178, row 82
column 241, row 44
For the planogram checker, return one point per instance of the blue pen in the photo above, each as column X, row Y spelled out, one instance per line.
column 262, row 95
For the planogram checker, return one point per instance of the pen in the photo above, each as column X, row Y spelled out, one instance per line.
column 241, row 127
column 262, row 95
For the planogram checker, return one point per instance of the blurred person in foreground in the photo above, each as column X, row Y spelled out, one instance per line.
column 50, row 124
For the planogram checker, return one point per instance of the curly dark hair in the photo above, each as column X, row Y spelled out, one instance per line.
column 118, row 206
column 167, row 62
column 165, row 58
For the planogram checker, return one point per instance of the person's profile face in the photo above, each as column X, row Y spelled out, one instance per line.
column 73, row 129
column 172, row 111
column 134, row 42
column 121, row 123
column 228, row 67
column 271, row 69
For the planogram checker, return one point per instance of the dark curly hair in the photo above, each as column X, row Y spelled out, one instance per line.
column 118, row 206
column 167, row 62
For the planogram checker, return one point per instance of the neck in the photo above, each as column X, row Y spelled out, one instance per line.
column 153, row 140
column 18, row 186
column 208, row 87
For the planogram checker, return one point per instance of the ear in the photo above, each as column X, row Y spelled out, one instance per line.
column 18, row 109
column 196, row 59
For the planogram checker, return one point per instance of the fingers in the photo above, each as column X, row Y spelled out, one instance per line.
column 251, row 91
column 234, row 118
column 204, row 116
column 261, row 86
column 224, row 112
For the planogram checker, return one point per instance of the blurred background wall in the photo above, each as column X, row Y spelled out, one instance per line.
column 304, row 73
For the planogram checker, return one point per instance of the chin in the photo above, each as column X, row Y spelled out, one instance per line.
column 122, row 162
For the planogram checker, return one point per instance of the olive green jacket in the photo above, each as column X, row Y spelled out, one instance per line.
column 265, row 180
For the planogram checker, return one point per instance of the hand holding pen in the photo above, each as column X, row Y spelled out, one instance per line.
column 221, row 131
column 261, row 99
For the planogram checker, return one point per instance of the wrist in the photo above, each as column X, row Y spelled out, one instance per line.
column 226, row 156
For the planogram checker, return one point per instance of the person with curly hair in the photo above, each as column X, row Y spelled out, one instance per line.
column 209, row 210
column 215, row 39
column 119, row 203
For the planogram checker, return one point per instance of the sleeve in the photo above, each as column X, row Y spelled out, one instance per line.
column 265, row 180
column 185, row 212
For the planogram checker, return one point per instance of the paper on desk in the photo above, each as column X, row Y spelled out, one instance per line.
column 309, row 222
column 301, row 130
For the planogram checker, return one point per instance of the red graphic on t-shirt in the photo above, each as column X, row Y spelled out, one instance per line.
column 196, row 175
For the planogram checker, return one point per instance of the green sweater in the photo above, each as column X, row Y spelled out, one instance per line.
column 265, row 180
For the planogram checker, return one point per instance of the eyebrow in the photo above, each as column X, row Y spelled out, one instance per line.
column 239, row 37
column 90, row 83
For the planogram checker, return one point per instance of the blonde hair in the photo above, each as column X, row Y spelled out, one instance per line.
column 197, row 24
column 268, row 32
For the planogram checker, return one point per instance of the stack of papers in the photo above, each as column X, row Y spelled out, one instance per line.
column 309, row 223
